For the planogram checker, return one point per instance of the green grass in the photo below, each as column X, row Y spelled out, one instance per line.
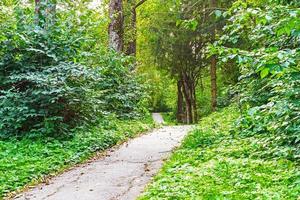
column 27, row 161
column 214, row 163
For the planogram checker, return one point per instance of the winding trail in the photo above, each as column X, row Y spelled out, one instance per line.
column 121, row 175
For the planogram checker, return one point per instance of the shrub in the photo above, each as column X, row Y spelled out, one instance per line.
column 264, row 40
column 55, row 77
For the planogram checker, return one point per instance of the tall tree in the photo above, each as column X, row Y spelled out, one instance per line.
column 116, row 26
column 131, row 45
column 180, row 107
column 213, row 66
column 176, row 50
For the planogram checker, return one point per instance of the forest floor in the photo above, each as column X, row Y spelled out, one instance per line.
column 121, row 174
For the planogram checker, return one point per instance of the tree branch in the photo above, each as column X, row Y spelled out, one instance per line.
column 140, row 3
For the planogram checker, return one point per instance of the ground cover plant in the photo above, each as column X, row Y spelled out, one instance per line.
column 29, row 160
column 216, row 162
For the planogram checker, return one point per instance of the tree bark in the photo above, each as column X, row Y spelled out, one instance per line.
column 188, row 99
column 131, row 49
column 213, row 76
column 213, row 68
column 180, row 107
column 116, row 26
column 194, row 104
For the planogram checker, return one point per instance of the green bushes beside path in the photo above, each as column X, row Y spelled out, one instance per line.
column 28, row 160
column 217, row 162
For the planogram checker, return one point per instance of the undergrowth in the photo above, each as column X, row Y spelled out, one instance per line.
column 29, row 160
column 216, row 162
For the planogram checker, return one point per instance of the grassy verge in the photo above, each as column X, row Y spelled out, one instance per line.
column 216, row 163
column 27, row 161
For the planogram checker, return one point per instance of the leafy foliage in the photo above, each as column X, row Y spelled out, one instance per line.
column 123, row 92
column 264, row 41
column 255, row 155
column 55, row 77
column 172, row 39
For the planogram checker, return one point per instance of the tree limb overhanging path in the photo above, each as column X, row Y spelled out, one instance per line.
column 121, row 175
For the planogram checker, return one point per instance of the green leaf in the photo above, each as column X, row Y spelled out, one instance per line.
column 265, row 72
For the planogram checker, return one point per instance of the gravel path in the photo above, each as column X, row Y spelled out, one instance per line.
column 158, row 118
column 121, row 175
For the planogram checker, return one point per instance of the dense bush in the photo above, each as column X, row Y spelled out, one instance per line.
column 123, row 93
column 265, row 42
column 55, row 76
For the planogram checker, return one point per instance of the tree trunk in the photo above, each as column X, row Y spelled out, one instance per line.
column 188, row 99
column 180, row 107
column 116, row 26
column 213, row 76
column 132, row 43
column 201, row 83
column 194, row 104
column 131, row 49
column 213, row 68
column 189, row 117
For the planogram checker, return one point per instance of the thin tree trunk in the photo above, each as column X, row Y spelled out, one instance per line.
column 194, row 104
column 188, row 100
column 131, row 49
column 37, row 6
column 180, row 108
column 213, row 76
column 201, row 83
column 116, row 26
column 189, row 119
column 132, row 44
column 213, row 68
